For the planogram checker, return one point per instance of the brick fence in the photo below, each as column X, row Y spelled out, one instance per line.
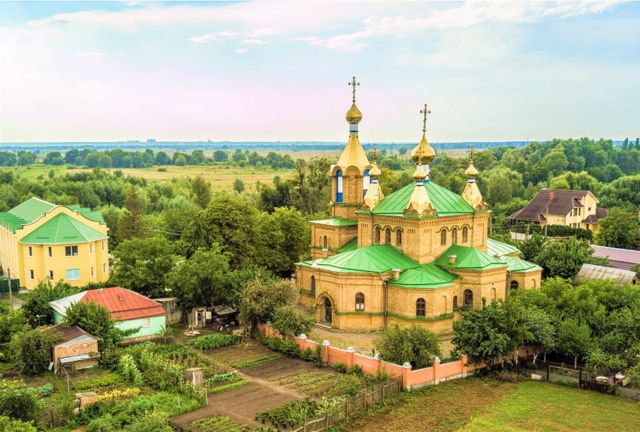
column 411, row 378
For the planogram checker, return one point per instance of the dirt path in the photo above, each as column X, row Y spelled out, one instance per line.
column 263, row 392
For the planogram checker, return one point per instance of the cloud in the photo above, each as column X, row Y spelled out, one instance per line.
column 90, row 55
column 213, row 37
column 255, row 42
column 241, row 50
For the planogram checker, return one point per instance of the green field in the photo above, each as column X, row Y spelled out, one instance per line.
column 221, row 176
column 475, row 404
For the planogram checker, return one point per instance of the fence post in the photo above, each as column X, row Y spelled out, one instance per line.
column 464, row 365
column 376, row 356
column 406, row 370
column 350, row 353
column 436, row 367
column 325, row 351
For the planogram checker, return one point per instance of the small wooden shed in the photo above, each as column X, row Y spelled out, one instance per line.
column 77, row 350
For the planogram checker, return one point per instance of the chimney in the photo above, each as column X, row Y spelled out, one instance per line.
column 396, row 274
column 452, row 259
column 100, row 290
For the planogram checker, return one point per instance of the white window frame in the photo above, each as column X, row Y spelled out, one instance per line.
column 72, row 279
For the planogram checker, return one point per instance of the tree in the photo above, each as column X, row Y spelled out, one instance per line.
column 143, row 265
column 564, row 258
column 220, row 156
column 20, row 405
column 574, row 339
column 532, row 246
column 483, row 334
column 53, row 158
column 202, row 280
column 162, row 158
column 238, row 185
column 414, row 345
column 260, row 299
column 33, row 349
column 180, row 160
column 36, row 307
column 11, row 322
column 132, row 222
column 95, row 320
column 501, row 184
column 201, row 190
column 26, row 158
column 620, row 228
column 289, row 320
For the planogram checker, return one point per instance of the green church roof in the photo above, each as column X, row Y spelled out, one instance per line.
column 444, row 201
column 519, row 265
column 349, row 246
column 369, row 259
column 468, row 258
column 335, row 222
column 498, row 248
column 62, row 229
column 425, row 276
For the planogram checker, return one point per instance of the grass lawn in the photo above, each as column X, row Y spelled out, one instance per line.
column 475, row 404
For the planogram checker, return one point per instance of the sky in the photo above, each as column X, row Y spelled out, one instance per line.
column 278, row 70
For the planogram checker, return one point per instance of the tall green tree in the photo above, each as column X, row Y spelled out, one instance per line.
column 620, row 229
column 574, row 339
column 284, row 240
column 132, row 222
column 33, row 348
column 95, row 320
column 564, row 258
column 260, row 299
column 36, row 307
column 201, row 190
column 143, row 265
column 414, row 345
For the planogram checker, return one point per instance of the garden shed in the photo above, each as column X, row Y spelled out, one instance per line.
column 77, row 350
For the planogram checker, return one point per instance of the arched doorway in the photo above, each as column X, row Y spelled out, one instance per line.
column 327, row 308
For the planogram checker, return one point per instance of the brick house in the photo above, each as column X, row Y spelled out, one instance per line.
column 77, row 350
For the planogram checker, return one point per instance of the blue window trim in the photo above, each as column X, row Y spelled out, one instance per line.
column 338, row 188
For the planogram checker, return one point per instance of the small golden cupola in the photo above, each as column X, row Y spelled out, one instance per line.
column 423, row 154
column 471, row 193
column 374, row 193
column 420, row 203
column 353, row 153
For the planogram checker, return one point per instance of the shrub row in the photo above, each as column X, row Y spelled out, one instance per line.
column 213, row 341
column 290, row 348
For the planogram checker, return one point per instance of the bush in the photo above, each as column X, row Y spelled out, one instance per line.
column 286, row 346
column 356, row 370
column 129, row 371
column 341, row 367
column 9, row 425
column 415, row 345
column 290, row 321
column 102, row 381
column 223, row 378
column 19, row 405
column 212, row 341
column 291, row 414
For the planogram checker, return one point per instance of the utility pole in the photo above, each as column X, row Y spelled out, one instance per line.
column 10, row 292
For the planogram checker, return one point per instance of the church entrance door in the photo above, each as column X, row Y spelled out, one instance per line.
column 327, row 310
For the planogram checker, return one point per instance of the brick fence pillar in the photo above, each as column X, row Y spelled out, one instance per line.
column 326, row 346
column 376, row 356
column 436, row 369
column 406, row 376
column 350, row 353
column 464, row 365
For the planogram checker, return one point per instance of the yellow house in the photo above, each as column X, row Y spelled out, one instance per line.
column 417, row 256
column 40, row 240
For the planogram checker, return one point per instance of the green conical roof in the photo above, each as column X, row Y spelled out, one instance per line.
column 425, row 276
column 468, row 258
column 444, row 201
column 62, row 229
column 369, row 259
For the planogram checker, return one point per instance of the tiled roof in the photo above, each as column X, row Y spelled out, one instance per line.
column 70, row 333
column 497, row 248
column 563, row 201
column 335, row 222
column 425, row 276
column 369, row 259
column 63, row 229
column 122, row 304
column 444, row 201
column 468, row 258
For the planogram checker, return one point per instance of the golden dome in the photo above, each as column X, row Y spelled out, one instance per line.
column 419, row 173
column 373, row 196
column 471, row 170
column 423, row 153
column 473, row 196
column 374, row 171
column 354, row 115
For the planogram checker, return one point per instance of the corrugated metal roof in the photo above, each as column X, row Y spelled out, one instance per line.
column 425, row 276
column 63, row 229
column 592, row 271
column 468, row 258
column 445, row 202
column 519, row 265
column 122, row 304
column 617, row 254
column 498, row 248
column 335, row 222
column 349, row 246
column 369, row 259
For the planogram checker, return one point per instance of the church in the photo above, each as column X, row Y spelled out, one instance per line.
column 417, row 256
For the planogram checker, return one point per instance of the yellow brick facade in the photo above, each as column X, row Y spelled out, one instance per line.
column 33, row 263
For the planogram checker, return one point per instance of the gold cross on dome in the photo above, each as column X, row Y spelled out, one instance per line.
column 353, row 84
column 424, row 113
column 471, row 153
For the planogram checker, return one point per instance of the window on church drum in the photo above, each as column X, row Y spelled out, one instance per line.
column 313, row 285
column 399, row 238
column 387, row 235
column 421, row 307
column 465, row 234
column 455, row 302
column 339, row 186
column 513, row 285
column 359, row 302
column 324, row 242
column 454, row 236
column 443, row 237
column 366, row 182
column 468, row 298
column 377, row 235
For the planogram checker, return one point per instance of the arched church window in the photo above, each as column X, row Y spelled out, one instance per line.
column 387, row 235
column 443, row 237
column 465, row 234
column 399, row 237
column 359, row 302
column 325, row 243
column 339, row 186
column 366, row 181
column 377, row 235
column 455, row 302
column 454, row 236
column 468, row 298
column 513, row 285
column 421, row 307
column 313, row 285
